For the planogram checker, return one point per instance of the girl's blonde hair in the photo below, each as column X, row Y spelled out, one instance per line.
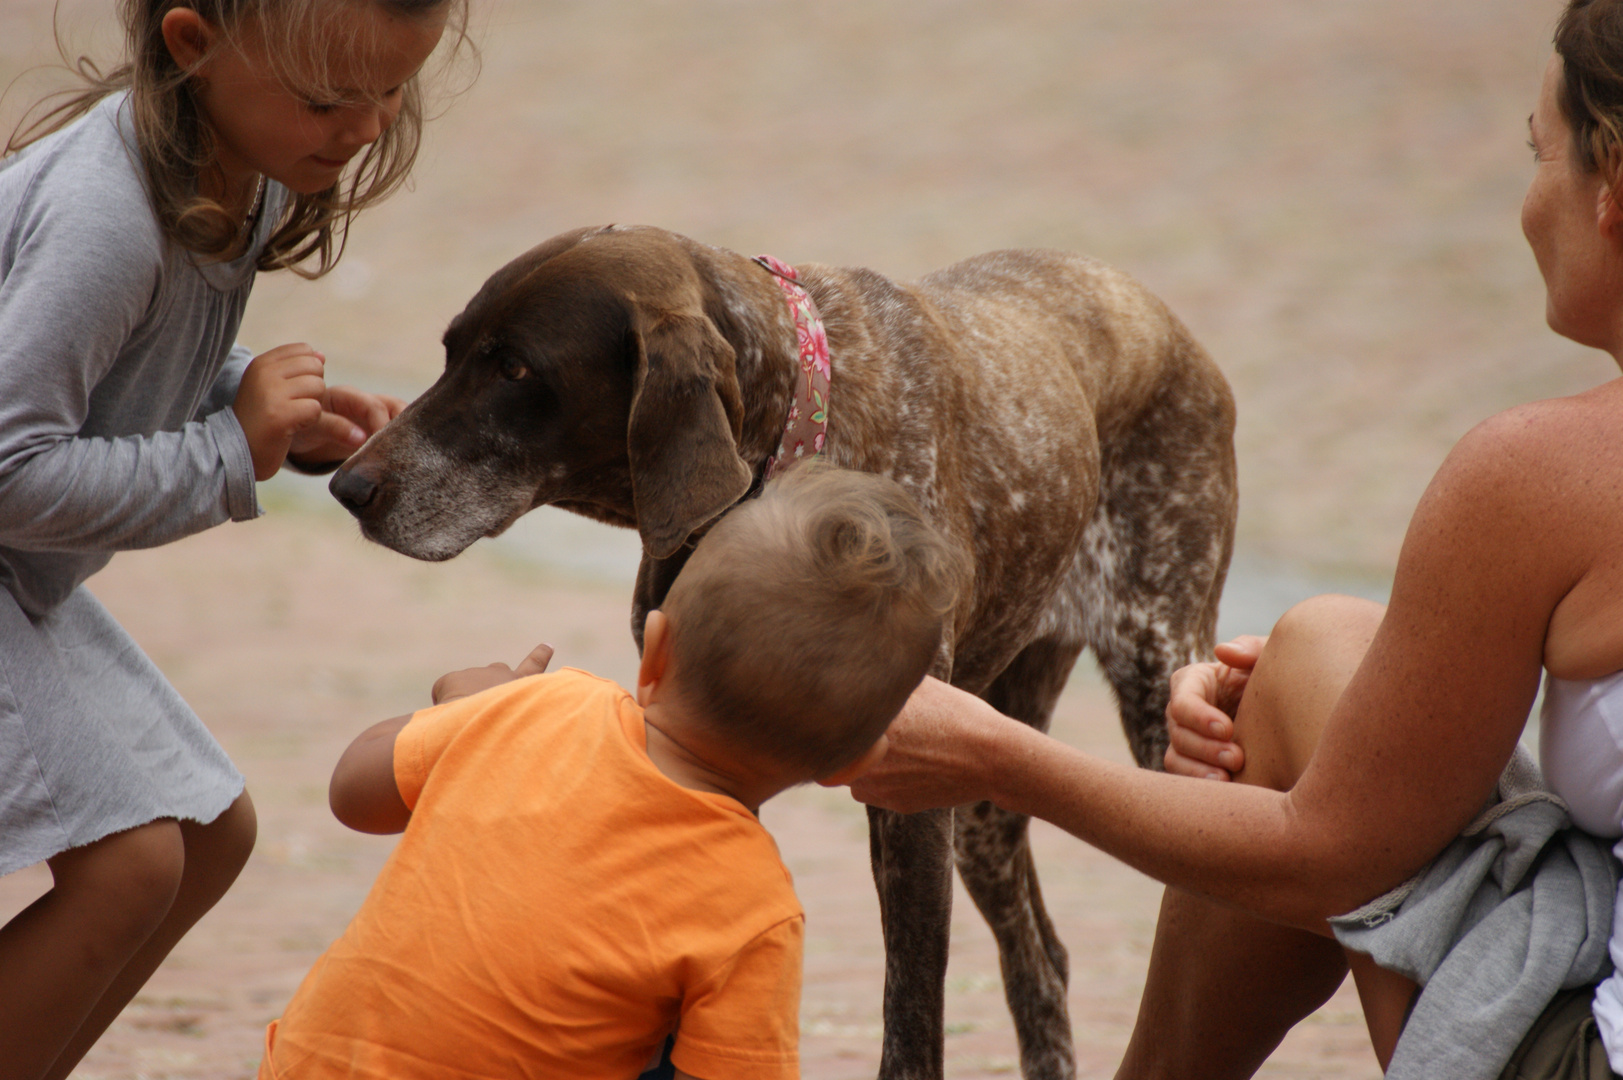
column 176, row 144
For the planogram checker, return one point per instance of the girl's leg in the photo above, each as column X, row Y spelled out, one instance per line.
column 1223, row 988
column 59, row 956
column 214, row 855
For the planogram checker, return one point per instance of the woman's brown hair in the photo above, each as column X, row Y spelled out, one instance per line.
column 1589, row 40
column 176, row 144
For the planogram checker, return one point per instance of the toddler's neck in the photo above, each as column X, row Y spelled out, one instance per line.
column 690, row 763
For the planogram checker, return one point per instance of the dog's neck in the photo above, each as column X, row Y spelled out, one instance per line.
column 806, row 427
column 751, row 311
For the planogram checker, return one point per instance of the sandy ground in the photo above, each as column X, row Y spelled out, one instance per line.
column 1326, row 193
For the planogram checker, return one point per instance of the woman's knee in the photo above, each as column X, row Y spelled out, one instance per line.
column 1308, row 661
column 1326, row 630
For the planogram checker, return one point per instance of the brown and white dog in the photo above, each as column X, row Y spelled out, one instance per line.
column 1046, row 411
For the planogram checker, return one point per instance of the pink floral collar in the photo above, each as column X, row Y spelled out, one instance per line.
column 807, row 426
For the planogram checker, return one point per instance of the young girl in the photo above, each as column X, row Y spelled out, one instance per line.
column 242, row 135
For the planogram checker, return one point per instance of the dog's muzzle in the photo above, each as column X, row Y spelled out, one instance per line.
column 352, row 489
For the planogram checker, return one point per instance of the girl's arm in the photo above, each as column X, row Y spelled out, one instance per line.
column 1413, row 747
column 82, row 276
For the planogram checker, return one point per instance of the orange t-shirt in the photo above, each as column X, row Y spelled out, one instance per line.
column 556, row 907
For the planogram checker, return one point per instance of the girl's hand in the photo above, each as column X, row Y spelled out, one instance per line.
column 459, row 684
column 348, row 418
column 281, row 394
column 936, row 753
column 1200, row 712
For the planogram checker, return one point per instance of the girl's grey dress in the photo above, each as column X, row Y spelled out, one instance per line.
column 117, row 373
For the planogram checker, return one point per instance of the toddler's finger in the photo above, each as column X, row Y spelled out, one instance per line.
column 536, row 662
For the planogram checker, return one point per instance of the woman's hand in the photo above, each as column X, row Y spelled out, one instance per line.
column 1200, row 712
column 459, row 684
column 939, row 752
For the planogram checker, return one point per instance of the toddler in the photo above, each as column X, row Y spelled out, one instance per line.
column 582, row 873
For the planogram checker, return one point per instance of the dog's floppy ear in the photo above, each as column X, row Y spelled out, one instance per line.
column 686, row 415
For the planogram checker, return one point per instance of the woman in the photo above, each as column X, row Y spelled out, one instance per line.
column 1372, row 737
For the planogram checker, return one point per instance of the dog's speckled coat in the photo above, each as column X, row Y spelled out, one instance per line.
column 1046, row 411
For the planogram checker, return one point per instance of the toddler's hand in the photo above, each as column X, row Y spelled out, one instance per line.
column 348, row 418
column 459, row 684
column 280, row 395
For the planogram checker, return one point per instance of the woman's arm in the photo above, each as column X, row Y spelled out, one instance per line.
column 1411, row 750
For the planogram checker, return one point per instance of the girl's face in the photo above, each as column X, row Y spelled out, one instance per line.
column 1565, row 219
column 264, row 125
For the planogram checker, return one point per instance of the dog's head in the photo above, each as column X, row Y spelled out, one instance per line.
column 585, row 373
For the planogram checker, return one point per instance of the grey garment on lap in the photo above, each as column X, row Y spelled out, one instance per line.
column 93, row 739
column 1516, row 909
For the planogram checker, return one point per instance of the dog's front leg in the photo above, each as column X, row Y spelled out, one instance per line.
column 912, row 867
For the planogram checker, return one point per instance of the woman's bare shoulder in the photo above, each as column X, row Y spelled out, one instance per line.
column 1538, row 450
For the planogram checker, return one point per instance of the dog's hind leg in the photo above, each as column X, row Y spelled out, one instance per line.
column 912, row 865
column 994, row 860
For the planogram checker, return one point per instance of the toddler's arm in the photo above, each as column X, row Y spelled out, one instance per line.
column 363, row 793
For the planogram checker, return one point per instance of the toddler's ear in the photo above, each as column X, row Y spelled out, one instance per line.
column 656, row 651
column 870, row 758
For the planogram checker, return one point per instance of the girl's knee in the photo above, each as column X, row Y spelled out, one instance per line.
column 215, row 855
column 129, row 878
column 221, row 848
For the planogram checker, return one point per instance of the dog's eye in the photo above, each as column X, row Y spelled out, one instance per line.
column 513, row 369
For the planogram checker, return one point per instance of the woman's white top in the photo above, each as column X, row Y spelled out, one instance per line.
column 1581, row 754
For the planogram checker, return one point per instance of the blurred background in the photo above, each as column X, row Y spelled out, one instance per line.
column 1327, row 194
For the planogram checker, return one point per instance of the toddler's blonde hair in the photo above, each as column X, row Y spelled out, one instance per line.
column 806, row 617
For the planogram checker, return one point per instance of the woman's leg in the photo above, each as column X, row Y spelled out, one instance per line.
column 214, row 855
column 60, row 955
column 1223, row 988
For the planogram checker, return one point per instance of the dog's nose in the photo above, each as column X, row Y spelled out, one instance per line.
column 352, row 489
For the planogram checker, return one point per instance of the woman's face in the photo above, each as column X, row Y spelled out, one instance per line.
column 1562, row 220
